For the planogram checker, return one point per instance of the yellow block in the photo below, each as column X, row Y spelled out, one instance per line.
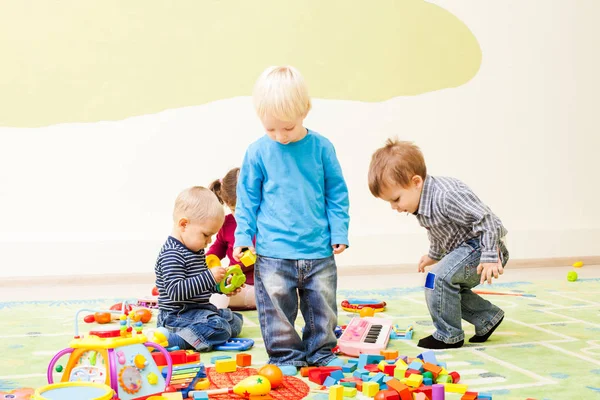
column 401, row 364
column 414, row 380
column 336, row 392
column 370, row 389
column 172, row 396
column 227, row 365
column 350, row 392
column 382, row 365
column 455, row 388
column 399, row 373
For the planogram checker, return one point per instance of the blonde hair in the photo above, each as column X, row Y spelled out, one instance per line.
column 281, row 93
column 395, row 163
column 197, row 203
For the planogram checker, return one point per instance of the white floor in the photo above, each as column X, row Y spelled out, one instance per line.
column 380, row 278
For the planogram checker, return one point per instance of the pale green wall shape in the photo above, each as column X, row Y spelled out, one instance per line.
column 80, row 60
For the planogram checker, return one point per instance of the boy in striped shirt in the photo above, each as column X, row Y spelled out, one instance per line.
column 465, row 237
column 185, row 283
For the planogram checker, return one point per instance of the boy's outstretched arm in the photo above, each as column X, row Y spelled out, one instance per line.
column 337, row 203
column 465, row 208
column 249, row 196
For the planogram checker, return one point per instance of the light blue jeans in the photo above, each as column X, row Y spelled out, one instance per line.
column 279, row 285
column 452, row 299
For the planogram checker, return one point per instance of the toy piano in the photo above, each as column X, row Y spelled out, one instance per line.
column 367, row 335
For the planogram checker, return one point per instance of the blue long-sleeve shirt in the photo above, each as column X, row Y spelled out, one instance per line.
column 293, row 198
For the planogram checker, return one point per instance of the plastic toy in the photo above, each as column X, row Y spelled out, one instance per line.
column 236, row 344
column 398, row 333
column 18, row 394
column 273, row 374
column 74, row 390
column 118, row 359
column 355, row 305
column 572, row 276
column 248, row 258
column 578, row 264
column 252, row 385
column 227, row 284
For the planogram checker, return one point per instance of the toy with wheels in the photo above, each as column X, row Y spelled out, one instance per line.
column 119, row 360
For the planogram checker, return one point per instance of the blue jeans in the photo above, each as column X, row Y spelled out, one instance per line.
column 279, row 285
column 452, row 299
column 202, row 326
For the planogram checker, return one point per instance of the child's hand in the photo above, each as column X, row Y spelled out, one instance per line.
column 339, row 248
column 236, row 291
column 218, row 273
column 425, row 261
column 238, row 251
column 487, row 270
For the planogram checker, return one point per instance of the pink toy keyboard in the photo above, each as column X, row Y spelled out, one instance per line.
column 367, row 335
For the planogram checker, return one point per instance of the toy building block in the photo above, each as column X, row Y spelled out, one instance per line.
column 455, row 376
column 469, row 396
column 225, row 366
column 248, row 258
column 414, row 380
column 400, row 363
column 370, row 389
column 420, row 396
column 442, row 379
column 377, row 378
column 417, row 366
column 389, row 354
column 213, row 360
column 428, row 356
column 329, row 382
column 337, row 375
column 319, row 374
column 348, row 384
column 399, row 374
column 382, row 365
column 402, row 390
column 350, row 392
column 484, row 396
column 201, row 395
column 434, row 369
column 304, row 371
column 192, row 356
column 387, row 395
column 336, row 392
column 444, row 371
column 365, row 359
column 410, row 372
column 455, row 388
column 348, row 368
column 426, row 390
column 243, row 360
column 371, row 368
column 178, row 357
column 389, row 370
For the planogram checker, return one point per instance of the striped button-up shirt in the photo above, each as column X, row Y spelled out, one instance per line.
column 453, row 214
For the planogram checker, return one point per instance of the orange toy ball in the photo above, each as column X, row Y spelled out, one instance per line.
column 154, row 291
column 273, row 374
column 366, row 312
column 143, row 314
column 102, row 317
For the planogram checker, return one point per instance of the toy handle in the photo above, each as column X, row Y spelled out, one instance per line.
column 237, row 280
column 54, row 361
column 167, row 357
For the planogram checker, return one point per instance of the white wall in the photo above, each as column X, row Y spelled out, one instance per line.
column 97, row 198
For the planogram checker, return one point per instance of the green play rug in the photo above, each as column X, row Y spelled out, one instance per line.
column 548, row 346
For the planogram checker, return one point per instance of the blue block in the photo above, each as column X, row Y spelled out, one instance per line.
column 337, row 375
column 352, row 361
column 378, row 378
column 359, row 372
column 215, row 358
column 484, row 396
column 348, row 368
column 391, row 362
column 200, row 395
column 428, row 356
column 427, row 381
column 383, row 386
column 416, row 366
column 329, row 381
column 441, row 364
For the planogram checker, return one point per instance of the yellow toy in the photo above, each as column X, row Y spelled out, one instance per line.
column 253, row 385
column 117, row 360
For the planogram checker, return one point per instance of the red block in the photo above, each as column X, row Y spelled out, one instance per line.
column 319, row 374
column 372, row 368
column 192, row 357
column 403, row 390
column 455, row 376
column 426, row 390
column 469, row 396
column 409, row 372
column 178, row 357
column 159, row 358
column 389, row 369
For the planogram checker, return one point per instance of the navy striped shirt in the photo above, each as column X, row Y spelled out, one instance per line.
column 182, row 276
column 453, row 214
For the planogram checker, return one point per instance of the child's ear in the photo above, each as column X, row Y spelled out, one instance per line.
column 183, row 223
column 417, row 181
